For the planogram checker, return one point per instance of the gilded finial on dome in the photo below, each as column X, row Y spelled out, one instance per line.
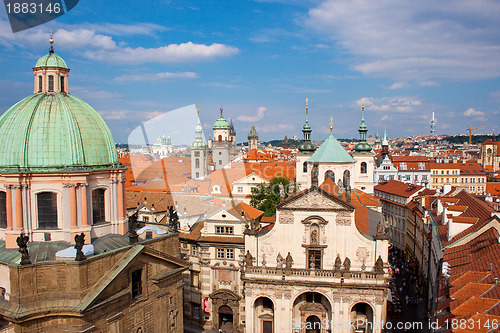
column 198, row 110
column 331, row 124
column 307, row 104
column 51, row 41
column 221, row 109
column 363, row 103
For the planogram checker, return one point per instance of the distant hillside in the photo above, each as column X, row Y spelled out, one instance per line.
column 459, row 139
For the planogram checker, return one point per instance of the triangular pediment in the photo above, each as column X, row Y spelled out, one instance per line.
column 315, row 199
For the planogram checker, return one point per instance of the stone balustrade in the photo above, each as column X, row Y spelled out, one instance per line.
column 273, row 273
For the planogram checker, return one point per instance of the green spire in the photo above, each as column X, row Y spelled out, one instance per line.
column 362, row 146
column 198, row 130
column 306, row 146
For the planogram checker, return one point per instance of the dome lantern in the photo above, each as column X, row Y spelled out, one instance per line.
column 51, row 73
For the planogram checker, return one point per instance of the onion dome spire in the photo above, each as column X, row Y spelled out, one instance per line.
column 306, row 146
column 362, row 146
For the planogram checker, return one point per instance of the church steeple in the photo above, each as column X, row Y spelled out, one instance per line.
column 306, row 146
column 362, row 146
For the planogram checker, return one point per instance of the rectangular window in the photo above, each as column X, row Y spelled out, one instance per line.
column 149, row 234
column 51, row 83
column 47, row 210
column 314, row 256
column 40, row 80
column 3, row 210
column 62, row 84
column 240, row 189
column 224, row 230
column 137, row 283
column 98, row 208
column 194, row 251
column 229, row 253
column 145, row 218
column 220, row 253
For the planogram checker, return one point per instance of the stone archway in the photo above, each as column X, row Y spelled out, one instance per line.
column 309, row 308
column 225, row 302
column 362, row 315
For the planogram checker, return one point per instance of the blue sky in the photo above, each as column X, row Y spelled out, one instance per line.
column 135, row 60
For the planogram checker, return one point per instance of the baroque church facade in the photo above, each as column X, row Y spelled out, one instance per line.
column 314, row 271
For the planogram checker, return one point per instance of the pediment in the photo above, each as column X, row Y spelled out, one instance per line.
column 315, row 199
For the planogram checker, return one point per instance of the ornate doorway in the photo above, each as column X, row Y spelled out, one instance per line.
column 226, row 309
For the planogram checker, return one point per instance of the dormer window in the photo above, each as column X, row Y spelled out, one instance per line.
column 51, row 83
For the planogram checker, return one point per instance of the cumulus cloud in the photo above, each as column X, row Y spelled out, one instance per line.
column 391, row 104
column 156, row 76
column 101, row 47
column 471, row 112
column 253, row 119
column 172, row 53
column 419, row 41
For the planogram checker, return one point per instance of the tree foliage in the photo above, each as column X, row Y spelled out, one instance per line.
column 267, row 196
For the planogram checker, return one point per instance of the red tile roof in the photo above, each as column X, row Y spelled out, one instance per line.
column 398, row 188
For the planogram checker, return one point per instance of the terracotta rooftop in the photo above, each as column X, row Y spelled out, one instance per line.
column 398, row 188
column 475, row 305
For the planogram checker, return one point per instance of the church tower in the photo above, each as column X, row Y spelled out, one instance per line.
column 198, row 153
column 362, row 153
column 253, row 139
column 306, row 149
column 224, row 143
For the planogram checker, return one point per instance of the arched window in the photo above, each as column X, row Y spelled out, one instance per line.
column 40, row 83
column 3, row 210
column 304, row 167
column 363, row 167
column 347, row 178
column 47, row 210
column 220, row 137
column 51, row 83
column 62, row 84
column 197, row 163
column 330, row 174
column 98, row 209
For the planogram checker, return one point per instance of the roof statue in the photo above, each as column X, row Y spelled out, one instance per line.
column 79, row 241
column 22, row 242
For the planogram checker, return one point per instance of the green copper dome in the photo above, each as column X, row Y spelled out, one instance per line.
column 221, row 123
column 54, row 132
column 51, row 60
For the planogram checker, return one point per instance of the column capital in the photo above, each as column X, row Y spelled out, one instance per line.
column 70, row 185
column 83, row 184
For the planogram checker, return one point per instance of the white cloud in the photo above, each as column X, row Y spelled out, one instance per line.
column 102, row 47
column 253, row 119
column 391, row 104
column 275, row 128
column 471, row 112
column 172, row 53
column 414, row 41
column 398, row 85
column 156, row 76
